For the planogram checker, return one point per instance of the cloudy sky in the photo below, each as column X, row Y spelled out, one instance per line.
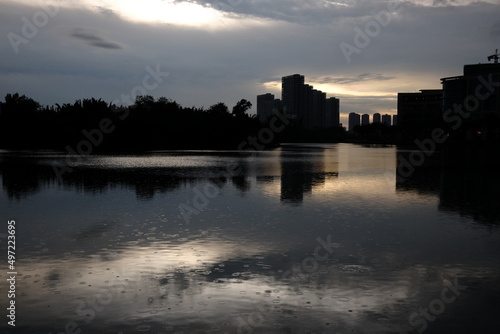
column 201, row 52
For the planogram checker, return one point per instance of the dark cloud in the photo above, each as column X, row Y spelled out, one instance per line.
column 308, row 12
column 235, row 59
column 495, row 29
column 93, row 39
column 363, row 77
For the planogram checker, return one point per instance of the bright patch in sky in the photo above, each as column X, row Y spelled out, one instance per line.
column 161, row 11
column 148, row 11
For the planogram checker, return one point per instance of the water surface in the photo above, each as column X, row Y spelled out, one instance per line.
column 301, row 239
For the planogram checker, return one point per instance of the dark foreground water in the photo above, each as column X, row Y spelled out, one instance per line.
column 301, row 239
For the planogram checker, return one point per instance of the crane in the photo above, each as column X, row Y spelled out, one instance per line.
column 494, row 56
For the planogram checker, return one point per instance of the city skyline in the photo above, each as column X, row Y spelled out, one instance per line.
column 302, row 102
column 224, row 51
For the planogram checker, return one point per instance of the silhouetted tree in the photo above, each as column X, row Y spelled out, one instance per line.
column 218, row 109
column 147, row 124
column 239, row 110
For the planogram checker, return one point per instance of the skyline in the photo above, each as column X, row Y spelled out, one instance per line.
column 224, row 51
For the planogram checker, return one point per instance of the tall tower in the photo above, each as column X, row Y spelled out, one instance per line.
column 332, row 112
column 292, row 95
column 354, row 120
column 265, row 105
column 365, row 119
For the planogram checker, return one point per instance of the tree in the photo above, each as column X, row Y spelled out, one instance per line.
column 20, row 104
column 241, row 107
column 218, row 109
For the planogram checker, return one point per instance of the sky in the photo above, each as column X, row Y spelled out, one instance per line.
column 199, row 52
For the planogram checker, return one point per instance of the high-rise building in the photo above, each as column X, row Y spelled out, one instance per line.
column 394, row 119
column 476, row 95
column 376, row 117
column 332, row 112
column 472, row 85
column 303, row 104
column 318, row 108
column 419, row 113
column 308, row 117
column 386, row 119
column 265, row 106
column 365, row 119
column 354, row 120
column 292, row 95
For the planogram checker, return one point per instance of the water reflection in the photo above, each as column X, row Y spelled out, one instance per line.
column 318, row 239
column 304, row 168
column 469, row 186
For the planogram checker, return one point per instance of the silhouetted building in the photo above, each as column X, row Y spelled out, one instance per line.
column 308, row 118
column 266, row 103
column 293, row 95
column 318, row 108
column 365, row 119
column 307, row 105
column 394, row 119
column 354, row 120
column 471, row 102
column 376, row 117
column 386, row 119
column 332, row 112
column 419, row 113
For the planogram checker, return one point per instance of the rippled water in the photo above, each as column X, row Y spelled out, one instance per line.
column 301, row 239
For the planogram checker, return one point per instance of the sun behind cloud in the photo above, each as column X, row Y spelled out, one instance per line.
column 163, row 11
column 144, row 11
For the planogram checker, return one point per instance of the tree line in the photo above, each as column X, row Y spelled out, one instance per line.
column 148, row 124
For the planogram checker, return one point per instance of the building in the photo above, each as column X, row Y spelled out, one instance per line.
column 419, row 113
column 293, row 95
column 308, row 118
column 332, row 112
column 365, row 119
column 354, row 120
column 394, row 119
column 471, row 102
column 317, row 110
column 386, row 119
column 265, row 106
column 305, row 105
column 376, row 117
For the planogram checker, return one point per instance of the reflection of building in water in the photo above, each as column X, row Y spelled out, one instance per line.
column 465, row 183
column 302, row 172
column 423, row 180
column 470, row 185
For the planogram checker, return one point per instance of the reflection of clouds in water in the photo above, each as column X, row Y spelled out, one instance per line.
column 175, row 281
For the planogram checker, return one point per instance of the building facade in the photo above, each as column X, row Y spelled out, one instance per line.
column 354, row 120
column 419, row 113
column 265, row 106
column 386, row 119
column 293, row 95
column 365, row 119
